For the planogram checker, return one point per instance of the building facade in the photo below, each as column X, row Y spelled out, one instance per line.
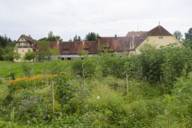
column 24, row 45
column 131, row 43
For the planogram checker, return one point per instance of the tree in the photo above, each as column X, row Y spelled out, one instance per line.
column 6, row 48
column 188, row 38
column 43, row 52
column 52, row 37
column 188, row 35
column 30, row 56
column 4, row 41
column 92, row 36
column 178, row 35
column 7, row 53
column 77, row 38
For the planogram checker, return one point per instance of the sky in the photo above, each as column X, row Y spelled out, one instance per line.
column 68, row 18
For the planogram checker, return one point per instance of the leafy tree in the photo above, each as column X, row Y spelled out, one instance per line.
column 188, row 35
column 92, row 36
column 50, row 37
column 4, row 41
column 30, row 56
column 84, row 68
column 151, row 60
column 44, row 52
column 7, row 54
column 178, row 35
column 188, row 38
column 6, row 48
column 113, row 65
column 77, row 38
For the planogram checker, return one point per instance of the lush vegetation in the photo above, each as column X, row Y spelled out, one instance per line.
column 7, row 49
column 149, row 90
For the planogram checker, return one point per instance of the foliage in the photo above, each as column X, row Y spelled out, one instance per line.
column 112, row 65
column 76, row 38
column 43, row 52
column 30, row 56
column 6, row 48
column 151, row 61
column 188, row 35
column 91, row 36
column 4, row 41
column 50, row 37
column 7, row 53
column 27, row 70
column 148, row 90
column 84, row 68
column 188, row 38
column 3, row 91
column 178, row 35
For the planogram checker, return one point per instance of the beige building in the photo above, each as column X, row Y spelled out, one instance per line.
column 158, row 37
column 24, row 45
column 134, row 41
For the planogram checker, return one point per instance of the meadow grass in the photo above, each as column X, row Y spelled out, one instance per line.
column 37, row 68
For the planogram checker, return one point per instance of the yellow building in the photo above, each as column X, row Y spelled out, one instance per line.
column 24, row 45
column 158, row 37
column 134, row 41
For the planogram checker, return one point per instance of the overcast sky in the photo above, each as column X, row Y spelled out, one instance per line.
column 106, row 17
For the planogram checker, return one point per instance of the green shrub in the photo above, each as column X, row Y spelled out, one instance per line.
column 84, row 68
column 151, row 61
column 113, row 65
column 103, row 107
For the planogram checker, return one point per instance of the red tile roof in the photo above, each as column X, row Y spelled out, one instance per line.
column 159, row 31
column 76, row 47
column 115, row 44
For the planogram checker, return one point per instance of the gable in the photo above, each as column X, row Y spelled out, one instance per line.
column 159, row 31
column 21, row 39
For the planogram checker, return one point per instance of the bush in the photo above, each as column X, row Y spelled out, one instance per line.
column 84, row 68
column 29, row 56
column 113, row 65
column 151, row 61
column 103, row 107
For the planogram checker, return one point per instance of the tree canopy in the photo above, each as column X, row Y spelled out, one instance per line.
column 92, row 36
column 4, row 41
column 188, row 38
column 188, row 35
column 178, row 35
column 77, row 38
column 50, row 37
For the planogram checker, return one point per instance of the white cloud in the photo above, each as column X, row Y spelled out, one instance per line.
column 107, row 17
